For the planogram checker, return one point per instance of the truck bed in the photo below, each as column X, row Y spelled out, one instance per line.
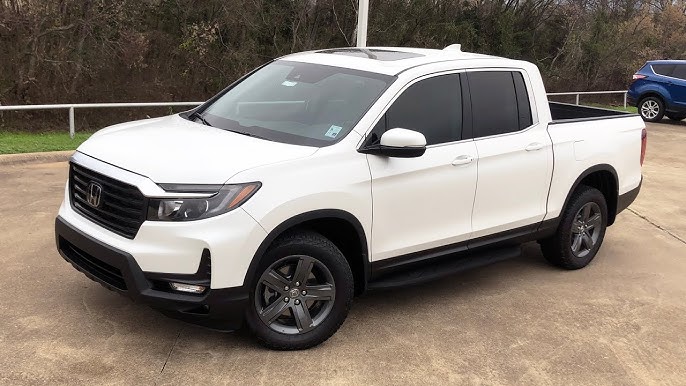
column 569, row 112
column 584, row 138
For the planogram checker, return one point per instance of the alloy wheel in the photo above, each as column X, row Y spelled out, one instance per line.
column 295, row 294
column 586, row 229
column 650, row 109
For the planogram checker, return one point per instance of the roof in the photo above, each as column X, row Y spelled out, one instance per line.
column 384, row 60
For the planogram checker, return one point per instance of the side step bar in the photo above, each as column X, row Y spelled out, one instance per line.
column 446, row 267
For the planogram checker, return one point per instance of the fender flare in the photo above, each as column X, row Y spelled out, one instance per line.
column 300, row 219
column 659, row 92
column 586, row 173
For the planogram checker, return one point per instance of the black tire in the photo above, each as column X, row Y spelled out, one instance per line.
column 675, row 117
column 330, row 277
column 651, row 109
column 559, row 249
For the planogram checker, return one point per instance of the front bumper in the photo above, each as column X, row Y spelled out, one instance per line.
column 221, row 309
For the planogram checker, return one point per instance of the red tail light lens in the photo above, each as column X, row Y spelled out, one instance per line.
column 639, row 76
column 644, row 142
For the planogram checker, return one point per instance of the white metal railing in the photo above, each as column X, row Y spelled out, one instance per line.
column 73, row 107
column 579, row 93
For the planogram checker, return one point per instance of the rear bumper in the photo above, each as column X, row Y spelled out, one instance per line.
column 631, row 101
column 221, row 309
column 624, row 200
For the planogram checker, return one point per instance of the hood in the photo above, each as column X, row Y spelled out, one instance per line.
column 174, row 150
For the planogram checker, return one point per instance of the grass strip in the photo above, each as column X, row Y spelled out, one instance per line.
column 18, row 142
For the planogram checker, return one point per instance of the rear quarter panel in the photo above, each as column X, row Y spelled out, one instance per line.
column 647, row 86
column 579, row 146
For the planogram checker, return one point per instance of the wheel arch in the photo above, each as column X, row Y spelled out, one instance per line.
column 663, row 95
column 604, row 178
column 340, row 227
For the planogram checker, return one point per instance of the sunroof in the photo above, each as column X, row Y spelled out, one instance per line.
column 372, row 53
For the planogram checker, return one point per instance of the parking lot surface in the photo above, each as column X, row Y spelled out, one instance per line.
column 622, row 320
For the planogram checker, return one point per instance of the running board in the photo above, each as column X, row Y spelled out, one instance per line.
column 445, row 267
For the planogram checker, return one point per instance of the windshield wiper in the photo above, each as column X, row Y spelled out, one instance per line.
column 198, row 116
column 248, row 134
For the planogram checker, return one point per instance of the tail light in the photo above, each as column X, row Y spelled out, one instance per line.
column 644, row 142
column 639, row 76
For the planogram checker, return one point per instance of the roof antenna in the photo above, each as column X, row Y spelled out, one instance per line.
column 454, row 47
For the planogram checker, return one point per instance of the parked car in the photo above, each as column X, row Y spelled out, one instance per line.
column 659, row 89
column 324, row 174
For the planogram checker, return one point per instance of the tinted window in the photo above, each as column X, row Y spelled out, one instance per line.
column 680, row 71
column 432, row 107
column 494, row 103
column 523, row 103
column 663, row 69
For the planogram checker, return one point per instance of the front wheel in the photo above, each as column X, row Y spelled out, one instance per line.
column 302, row 292
column 581, row 230
column 652, row 109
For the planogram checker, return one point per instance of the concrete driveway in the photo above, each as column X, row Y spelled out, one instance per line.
column 620, row 321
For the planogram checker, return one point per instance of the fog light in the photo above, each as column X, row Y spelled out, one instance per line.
column 190, row 288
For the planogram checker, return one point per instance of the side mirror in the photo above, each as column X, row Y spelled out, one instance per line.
column 401, row 143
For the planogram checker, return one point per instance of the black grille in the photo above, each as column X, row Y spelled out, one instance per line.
column 122, row 207
column 98, row 268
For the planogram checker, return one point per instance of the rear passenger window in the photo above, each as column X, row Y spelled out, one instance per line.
column 500, row 102
column 523, row 103
column 680, row 71
column 663, row 69
column 432, row 107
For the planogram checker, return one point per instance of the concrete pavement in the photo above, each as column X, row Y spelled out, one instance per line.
column 622, row 320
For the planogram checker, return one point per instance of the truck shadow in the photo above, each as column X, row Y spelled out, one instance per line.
column 669, row 122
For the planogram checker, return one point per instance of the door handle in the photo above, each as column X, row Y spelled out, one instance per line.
column 534, row 146
column 463, row 160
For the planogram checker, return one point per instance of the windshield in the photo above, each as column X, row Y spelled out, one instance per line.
column 298, row 103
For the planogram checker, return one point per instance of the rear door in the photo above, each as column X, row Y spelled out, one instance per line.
column 515, row 157
column 677, row 86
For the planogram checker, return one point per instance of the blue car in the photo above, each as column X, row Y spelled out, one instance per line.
column 659, row 89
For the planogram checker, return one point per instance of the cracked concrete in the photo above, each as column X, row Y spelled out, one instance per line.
column 663, row 195
column 620, row 321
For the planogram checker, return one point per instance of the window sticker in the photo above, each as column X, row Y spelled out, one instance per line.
column 333, row 131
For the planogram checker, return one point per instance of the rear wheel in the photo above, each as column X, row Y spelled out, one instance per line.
column 302, row 293
column 676, row 117
column 652, row 109
column 581, row 230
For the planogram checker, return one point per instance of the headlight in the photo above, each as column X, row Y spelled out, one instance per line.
column 228, row 198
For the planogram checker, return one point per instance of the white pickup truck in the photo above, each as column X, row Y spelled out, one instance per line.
column 324, row 174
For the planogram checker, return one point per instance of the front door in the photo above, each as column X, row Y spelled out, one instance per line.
column 424, row 202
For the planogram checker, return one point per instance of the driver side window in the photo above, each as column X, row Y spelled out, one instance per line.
column 432, row 106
